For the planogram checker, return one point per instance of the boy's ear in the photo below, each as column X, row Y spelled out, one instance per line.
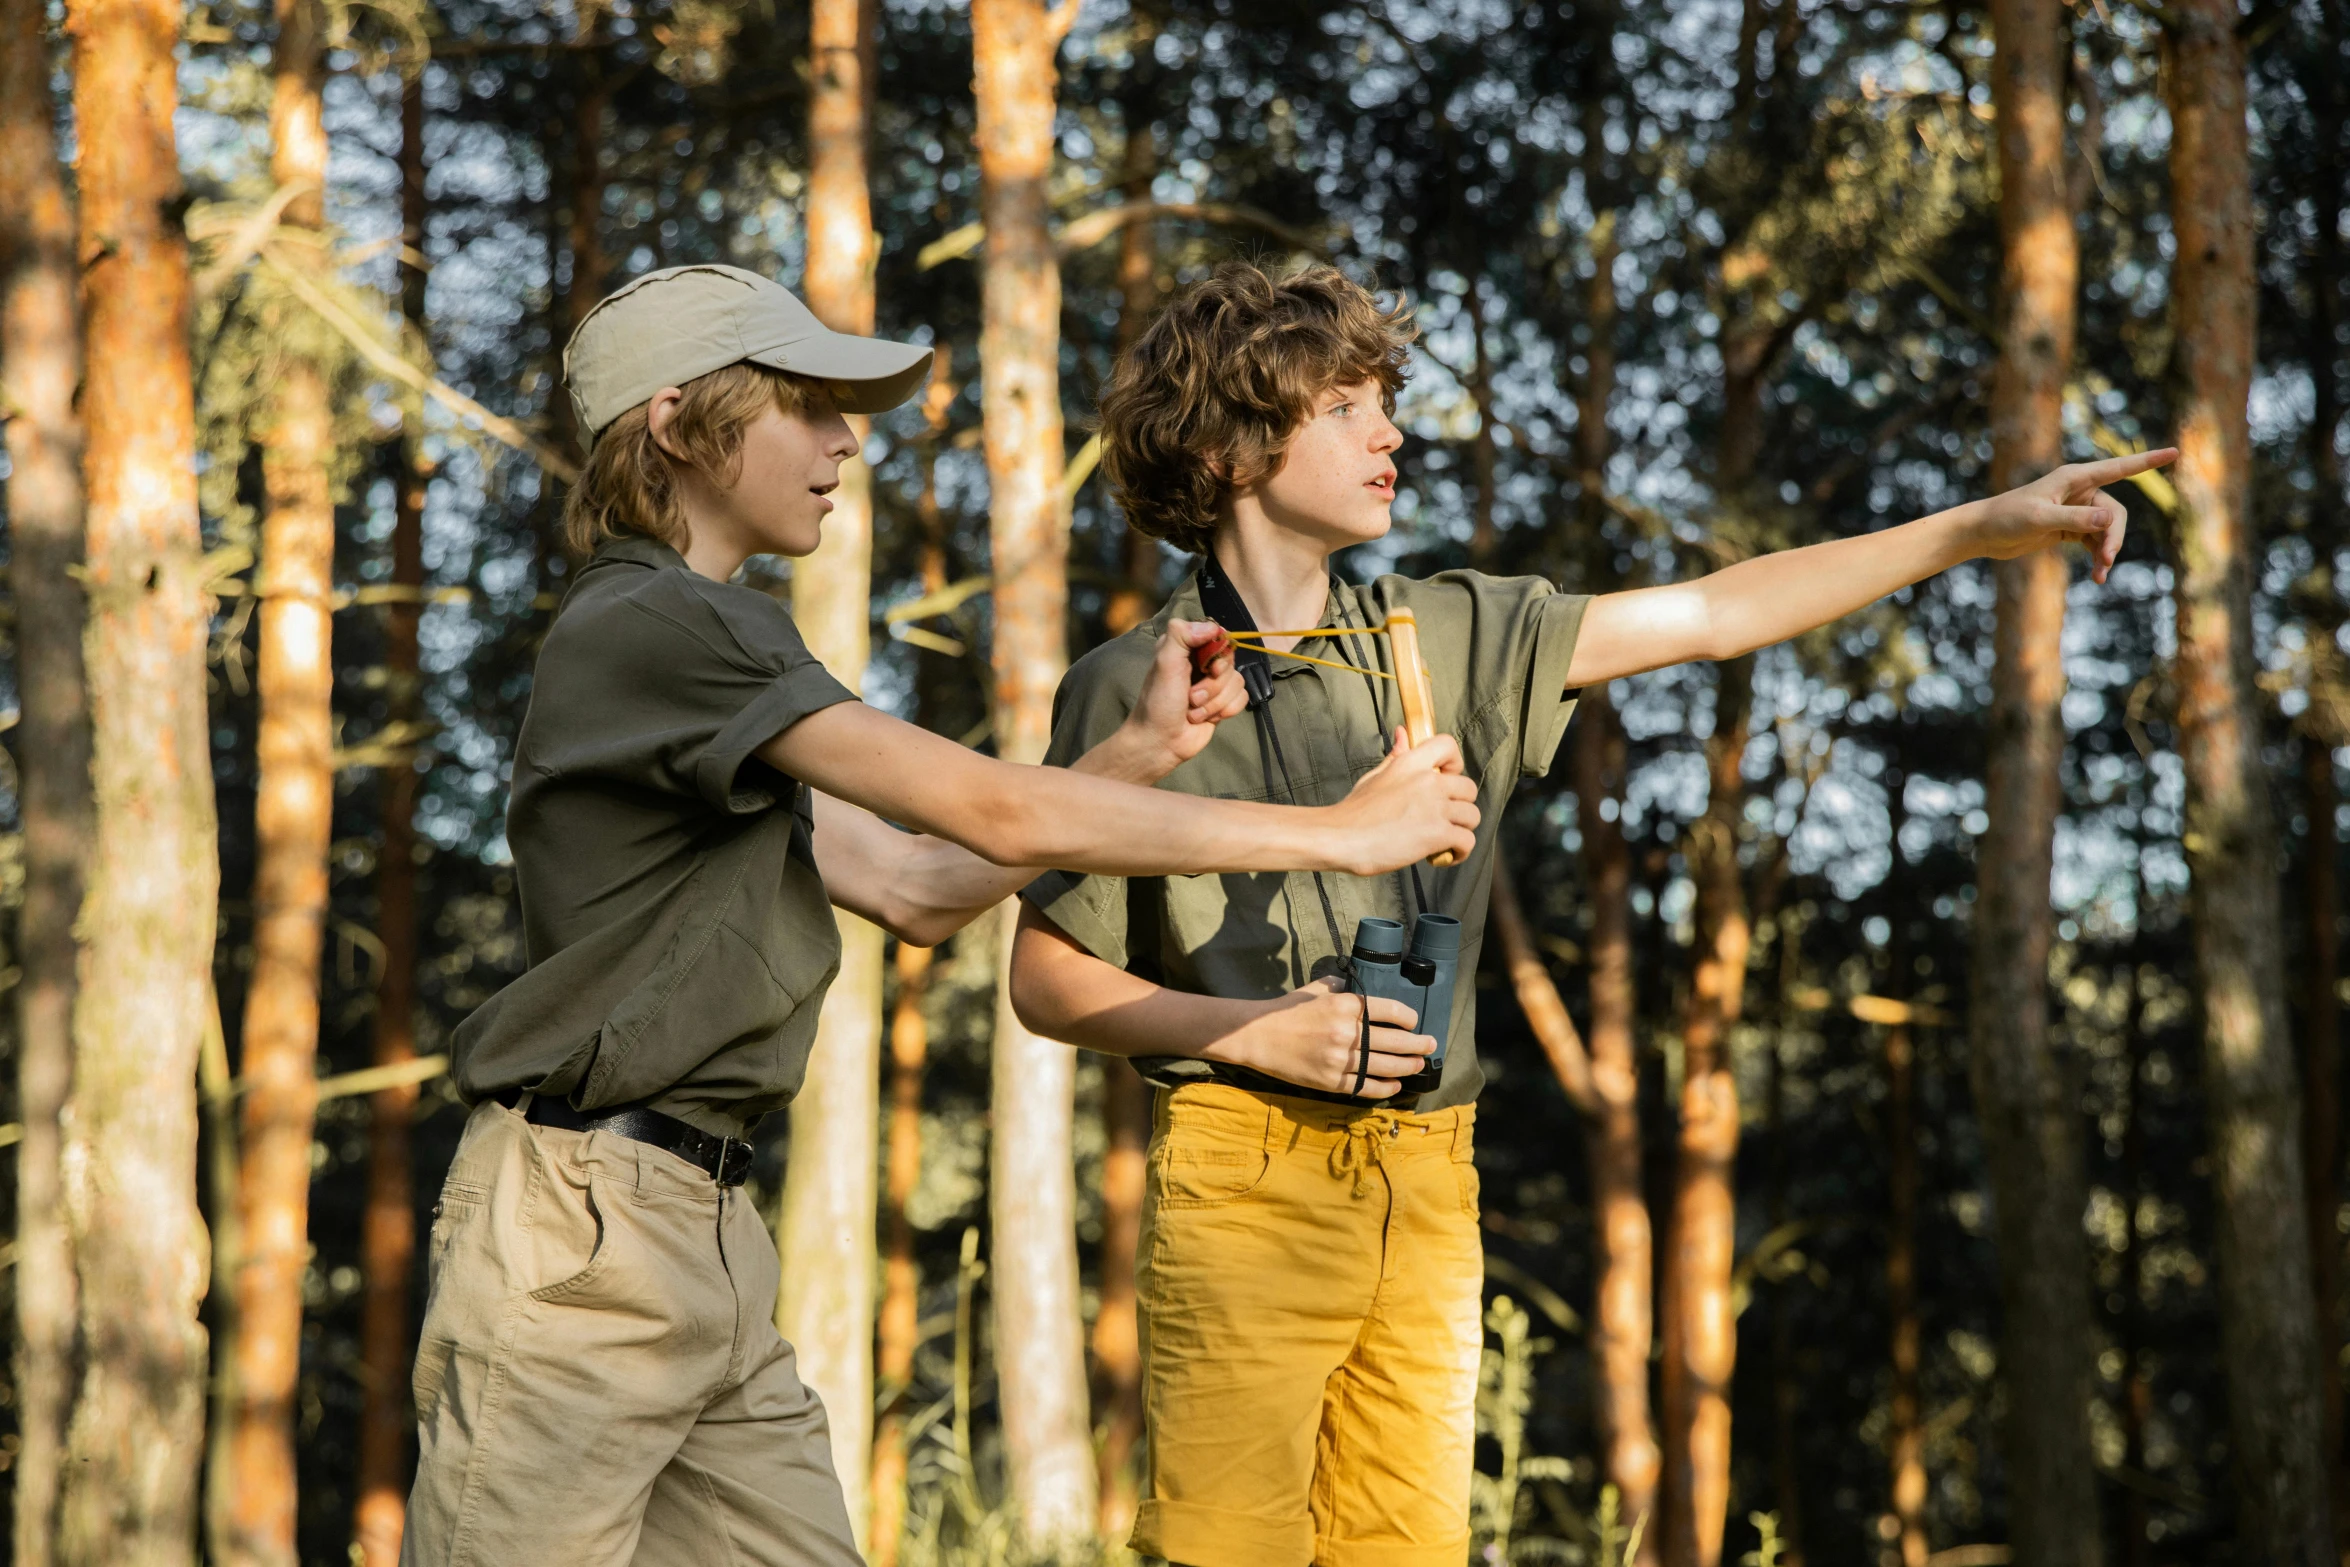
column 660, row 410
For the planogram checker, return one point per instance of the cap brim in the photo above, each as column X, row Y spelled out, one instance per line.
column 870, row 375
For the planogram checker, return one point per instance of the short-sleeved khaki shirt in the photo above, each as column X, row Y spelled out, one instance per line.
column 1497, row 650
column 677, row 932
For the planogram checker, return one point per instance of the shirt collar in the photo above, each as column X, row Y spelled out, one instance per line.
column 1185, row 605
column 639, row 549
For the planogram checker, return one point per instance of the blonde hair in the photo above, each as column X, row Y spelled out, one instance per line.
column 1210, row 395
column 629, row 484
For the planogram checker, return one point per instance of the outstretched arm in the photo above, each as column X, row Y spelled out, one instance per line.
column 984, row 824
column 1311, row 1037
column 1773, row 597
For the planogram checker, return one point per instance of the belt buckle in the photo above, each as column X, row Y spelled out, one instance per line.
column 734, row 1161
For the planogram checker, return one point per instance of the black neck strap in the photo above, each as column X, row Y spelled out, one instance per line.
column 1222, row 603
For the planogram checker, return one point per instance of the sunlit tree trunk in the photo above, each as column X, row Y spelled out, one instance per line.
column 1134, row 600
column 1701, row 1327
column 1906, row 1446
column 2322, row 1051
column 1039, row 1334
column 901, row 1289
column 40, row 370
column 388, row 1229
column 2268, row 1340
column 2030, row 1132
column 137, row 1430
column 293, row 818
column 1623, row 1291
column 2137, row 1389
column 827, row 1221
column 1126, row 1098
column 1483, row 539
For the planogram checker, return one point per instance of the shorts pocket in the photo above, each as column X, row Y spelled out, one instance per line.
column 458, row 1202
column 1464, row 1174
column 1206, row 1177
column 594, row 1206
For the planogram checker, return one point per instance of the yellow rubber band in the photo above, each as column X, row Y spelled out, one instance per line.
column 1326, row 663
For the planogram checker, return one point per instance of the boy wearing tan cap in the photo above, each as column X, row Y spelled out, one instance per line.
column 599, row 1379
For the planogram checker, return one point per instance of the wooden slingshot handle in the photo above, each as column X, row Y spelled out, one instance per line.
column 1419, row 697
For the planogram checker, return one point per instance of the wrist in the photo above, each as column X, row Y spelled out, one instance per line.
column 1963, row 533
column 1244, row 1044
column 1129, row 755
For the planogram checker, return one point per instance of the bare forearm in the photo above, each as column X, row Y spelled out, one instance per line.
column 923, row 888
column 1067, row 994
column 1762, row 601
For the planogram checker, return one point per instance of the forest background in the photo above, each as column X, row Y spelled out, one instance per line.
column 1914, row 1048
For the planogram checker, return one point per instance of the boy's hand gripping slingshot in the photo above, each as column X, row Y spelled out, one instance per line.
column 1402, row 630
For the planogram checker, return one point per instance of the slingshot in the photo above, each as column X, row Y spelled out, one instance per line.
column 1402, row 630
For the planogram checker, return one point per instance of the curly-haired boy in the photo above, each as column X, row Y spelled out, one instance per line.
column 1310, row 1268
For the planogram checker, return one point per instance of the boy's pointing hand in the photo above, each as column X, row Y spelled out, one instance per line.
column 2067, row 503
column 1415, row 804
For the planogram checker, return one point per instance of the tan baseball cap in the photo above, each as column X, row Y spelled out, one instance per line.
column 667, row 327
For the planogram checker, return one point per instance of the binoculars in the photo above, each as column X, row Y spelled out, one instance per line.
column 1421, row 979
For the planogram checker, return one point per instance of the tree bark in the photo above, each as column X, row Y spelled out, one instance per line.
column 901, row 1296
column 1117, row 1343
column 1039, row 1333
column 1701, row 1327
column 1623, row 1292
column 2322, row 1057
column 136, row 1438
column 1906, row 1451
column 41, row 358
column 2268, row 1342
column 2321, row 1076
column 2030, row 1134
column 293, row 821
column 1133, row 600
column 388, row 1227
column 2137, row 1388
column 827, row 1222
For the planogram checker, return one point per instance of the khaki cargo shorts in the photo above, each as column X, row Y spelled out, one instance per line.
column 1310, row 1279
column 599, row 1379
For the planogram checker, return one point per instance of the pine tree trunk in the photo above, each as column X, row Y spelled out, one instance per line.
column 1134, row 600
column 1623, row 1292
column 137, row 1432
column 388, row 1228
column 1701, row 1326
column 2137, row 1390
column 2029, row 1123
column 41, row 361
column 1623, row 1315
column 1126, row 1098
column 2321, row 1075
column 2268, row 1342
column 1906, row 1445
column 827, row 1221
column 1039, row 1332
column 1117, row 1343
column 293, row 821
column 2322, row 1057
column 901, row 1289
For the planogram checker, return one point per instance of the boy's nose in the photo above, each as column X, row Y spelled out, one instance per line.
column 844, row 443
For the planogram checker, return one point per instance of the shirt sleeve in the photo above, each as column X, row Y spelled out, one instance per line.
column 727, row 672
column 1091, row 910
column 1553, row 622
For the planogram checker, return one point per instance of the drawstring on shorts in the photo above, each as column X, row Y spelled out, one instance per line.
column 1362, row 1147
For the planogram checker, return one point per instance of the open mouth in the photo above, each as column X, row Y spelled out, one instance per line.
column 1383, row 486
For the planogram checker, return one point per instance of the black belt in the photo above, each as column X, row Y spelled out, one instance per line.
column 726, row 1160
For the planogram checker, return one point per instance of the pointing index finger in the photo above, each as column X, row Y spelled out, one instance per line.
column 2112, row 470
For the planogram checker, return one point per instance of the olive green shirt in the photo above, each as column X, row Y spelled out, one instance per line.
column 678, row 936
column 1497, row 650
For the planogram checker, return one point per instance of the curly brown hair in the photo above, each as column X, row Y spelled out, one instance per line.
column 1208, row 399
column 629, row 485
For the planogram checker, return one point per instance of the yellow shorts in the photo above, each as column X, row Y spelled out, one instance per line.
column 1310, row 1277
